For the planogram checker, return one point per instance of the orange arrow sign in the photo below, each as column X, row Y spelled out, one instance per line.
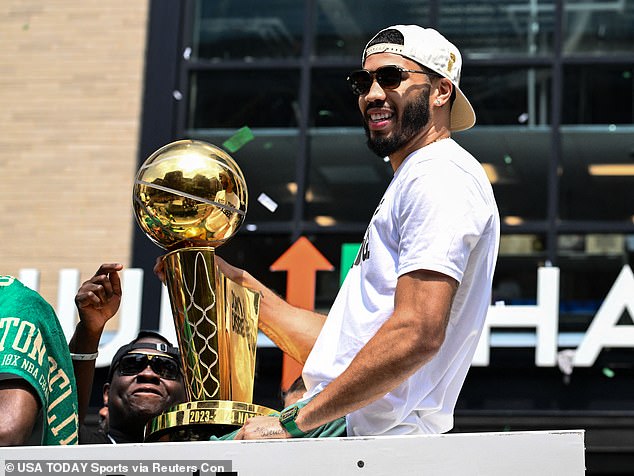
column 302, row 261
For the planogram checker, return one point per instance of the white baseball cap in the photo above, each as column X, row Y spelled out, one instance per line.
column 430, row 49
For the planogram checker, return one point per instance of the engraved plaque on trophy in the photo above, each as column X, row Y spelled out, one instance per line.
column 189, row 198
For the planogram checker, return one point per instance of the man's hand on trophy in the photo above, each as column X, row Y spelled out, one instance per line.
column 236, row 275
column 262, row 428
column 98, row 299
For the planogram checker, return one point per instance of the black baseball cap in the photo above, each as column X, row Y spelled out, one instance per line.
column 165, row 347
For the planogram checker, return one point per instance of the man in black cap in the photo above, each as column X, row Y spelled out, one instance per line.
column 145, row 378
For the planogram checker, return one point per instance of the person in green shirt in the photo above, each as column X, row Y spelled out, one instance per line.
column 38, row 395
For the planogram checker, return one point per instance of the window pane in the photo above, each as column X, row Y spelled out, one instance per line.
column 516, row 161
column 597, row 180
column 485, row 28
column 603, row 26
column 255, row 98
column 248, row 29
column 507, row 96
column 598, row 94
column 268, row 164
column 346, row 180
column 345, row 26
column 515, row 279
column 590, row 264
column 332, row 102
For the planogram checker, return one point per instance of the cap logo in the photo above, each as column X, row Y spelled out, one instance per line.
column 452, row 60
column 162, row 347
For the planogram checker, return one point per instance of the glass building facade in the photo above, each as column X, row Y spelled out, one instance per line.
column 552, row 84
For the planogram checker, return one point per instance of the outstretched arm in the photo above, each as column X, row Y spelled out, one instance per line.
column 97, row 301
column 292, row 329
column 405, row 342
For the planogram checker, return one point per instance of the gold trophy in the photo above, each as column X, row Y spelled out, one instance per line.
column 189, row 198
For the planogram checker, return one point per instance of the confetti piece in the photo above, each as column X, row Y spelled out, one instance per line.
column 238, row 140
column 267, row 202
column 609, row 373
column 565, row 361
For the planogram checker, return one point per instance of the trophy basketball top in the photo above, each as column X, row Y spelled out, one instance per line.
column 189, row 193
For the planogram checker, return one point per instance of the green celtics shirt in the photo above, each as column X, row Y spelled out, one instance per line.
column 33, row 347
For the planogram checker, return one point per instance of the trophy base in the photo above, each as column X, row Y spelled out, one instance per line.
column 198, row 421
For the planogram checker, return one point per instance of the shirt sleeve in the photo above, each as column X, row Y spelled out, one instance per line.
column 440, row 219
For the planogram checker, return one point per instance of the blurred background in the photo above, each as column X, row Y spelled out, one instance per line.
column 90, row 89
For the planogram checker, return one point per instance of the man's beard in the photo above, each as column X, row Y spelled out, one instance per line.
column 415, row 117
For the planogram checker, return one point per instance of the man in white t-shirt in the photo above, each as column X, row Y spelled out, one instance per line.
column 393, row 352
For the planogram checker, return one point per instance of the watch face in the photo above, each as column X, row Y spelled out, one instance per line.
column 289, row 414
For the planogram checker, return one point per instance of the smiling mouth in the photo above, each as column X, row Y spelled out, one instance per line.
column 378, row 120
column 379, row 116
column 147, row 390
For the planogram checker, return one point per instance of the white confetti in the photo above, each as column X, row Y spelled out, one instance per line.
column 565, row 361
column 267, row 202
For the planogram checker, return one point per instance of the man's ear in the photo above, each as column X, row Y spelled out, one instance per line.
column 445, row 87
column 106, row 389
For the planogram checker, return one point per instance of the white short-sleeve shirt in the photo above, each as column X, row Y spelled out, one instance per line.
column 437, row 214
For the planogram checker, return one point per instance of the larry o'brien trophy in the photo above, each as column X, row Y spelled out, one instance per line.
column 189, row 198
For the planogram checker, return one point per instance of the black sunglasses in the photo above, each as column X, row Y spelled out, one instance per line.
column 164, row 367
column 388, row 77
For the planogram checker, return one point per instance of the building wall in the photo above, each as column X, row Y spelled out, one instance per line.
column 71, row 82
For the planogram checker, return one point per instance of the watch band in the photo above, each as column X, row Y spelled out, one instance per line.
column 287, row 420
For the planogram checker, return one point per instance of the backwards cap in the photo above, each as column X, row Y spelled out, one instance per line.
column 430, row 49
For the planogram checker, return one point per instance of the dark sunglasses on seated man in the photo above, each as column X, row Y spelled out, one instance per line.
column 388, row 77
column 163, row 366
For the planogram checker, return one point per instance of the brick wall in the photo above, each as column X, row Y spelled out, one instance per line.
column 71, row 77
